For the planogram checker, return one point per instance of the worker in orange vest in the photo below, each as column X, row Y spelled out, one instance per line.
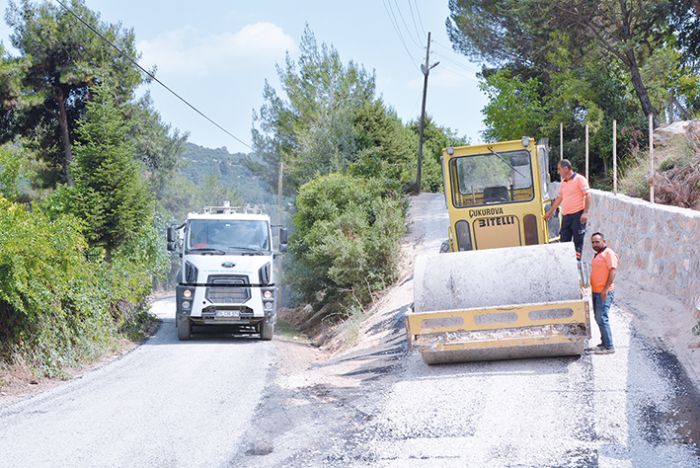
column 603, row 271
column 575, row 200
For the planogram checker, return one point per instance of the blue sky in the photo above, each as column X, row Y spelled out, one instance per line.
column 218, row 53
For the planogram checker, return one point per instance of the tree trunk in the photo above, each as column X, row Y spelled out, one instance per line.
column 65, row 136
column 639, row 85
column 685, row 115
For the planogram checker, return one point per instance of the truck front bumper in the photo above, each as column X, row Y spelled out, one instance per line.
column 265, row 310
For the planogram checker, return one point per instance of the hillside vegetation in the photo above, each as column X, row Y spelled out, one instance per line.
column 90, row 176
column 677, row 167
column 578, row 63
column 348, row 161
column 84, row 164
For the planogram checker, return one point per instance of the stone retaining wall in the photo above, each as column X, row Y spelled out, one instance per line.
column 658, row 245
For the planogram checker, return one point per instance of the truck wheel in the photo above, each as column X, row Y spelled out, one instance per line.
column 267, row 330
column 184, row 329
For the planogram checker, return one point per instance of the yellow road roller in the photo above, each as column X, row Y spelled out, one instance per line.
column 505, row 288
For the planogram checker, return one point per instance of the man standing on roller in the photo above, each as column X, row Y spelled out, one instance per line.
column 575, row 200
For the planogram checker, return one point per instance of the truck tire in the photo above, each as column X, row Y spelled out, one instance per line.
column 267, row 330
column 184, row 329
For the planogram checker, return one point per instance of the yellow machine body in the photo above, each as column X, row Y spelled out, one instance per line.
column 506, row 288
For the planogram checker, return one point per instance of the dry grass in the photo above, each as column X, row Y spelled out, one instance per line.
column 677, row 176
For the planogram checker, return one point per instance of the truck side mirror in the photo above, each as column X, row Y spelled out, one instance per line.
column 283, row 239
column 172, row 235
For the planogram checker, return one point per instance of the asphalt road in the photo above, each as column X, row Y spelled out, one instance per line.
column 630, row 409
column 222, row 401
column 634, row 408
column 167, row 403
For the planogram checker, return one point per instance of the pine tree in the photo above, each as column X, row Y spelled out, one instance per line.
column 111, row 192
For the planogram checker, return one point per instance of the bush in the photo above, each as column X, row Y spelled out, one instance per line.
column 53, row 310
column 346, row 241
column 10, row 168
column 60, row 303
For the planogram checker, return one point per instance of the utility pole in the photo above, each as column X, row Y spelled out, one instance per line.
column 426, row 71
column 280, row 179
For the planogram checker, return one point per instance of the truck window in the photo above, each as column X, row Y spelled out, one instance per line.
column 489, row 179
column 248, row 235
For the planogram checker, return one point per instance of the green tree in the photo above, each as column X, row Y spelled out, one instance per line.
column 685, row 19
column 11, row 71
column 514, row 109
column 310, row 129
column 346, row 243
column 625, row 31
column 387, row 148
column 10, row 172
column 522, row 34
column 158, row 146
column 500, row 32
column 63, row 61
column 111, row 194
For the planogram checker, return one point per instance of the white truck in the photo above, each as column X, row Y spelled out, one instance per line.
column 227, row 275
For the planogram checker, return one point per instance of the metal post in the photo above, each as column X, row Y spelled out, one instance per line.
column 615, row 157
column 586, row 151
column 651, row 158
column 561, row 140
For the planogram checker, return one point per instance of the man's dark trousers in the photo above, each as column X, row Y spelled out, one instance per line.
column 572, row 228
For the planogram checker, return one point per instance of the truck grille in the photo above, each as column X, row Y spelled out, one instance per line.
column 232, row 289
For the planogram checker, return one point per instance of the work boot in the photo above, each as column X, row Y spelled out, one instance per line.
column 595, row 349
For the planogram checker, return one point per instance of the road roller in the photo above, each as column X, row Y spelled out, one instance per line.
column 503, row 286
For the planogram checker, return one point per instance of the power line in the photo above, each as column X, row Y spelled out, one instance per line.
column 456, row 71
column 420, row 21
column 391, row 15
column 445, row 47
column 416, row 40
column 150, row 75
column 452, row 53
column 458, row 64
column 413, row 18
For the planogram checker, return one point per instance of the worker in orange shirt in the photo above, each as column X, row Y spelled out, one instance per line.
column 603, row 270
column 575, row 200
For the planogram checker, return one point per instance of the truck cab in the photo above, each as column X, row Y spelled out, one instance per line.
column 227, row 275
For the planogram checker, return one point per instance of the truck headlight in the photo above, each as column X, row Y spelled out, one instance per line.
column 186, row 304
column 187, row 293
column 268, row 305
column 267, row 294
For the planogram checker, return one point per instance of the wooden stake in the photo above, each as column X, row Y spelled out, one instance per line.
column 586, row 151
column 561, row 140
column 615, row 157
column 651, row 158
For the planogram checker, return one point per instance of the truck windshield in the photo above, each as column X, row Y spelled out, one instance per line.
column 226, row 235
column 492, row 178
